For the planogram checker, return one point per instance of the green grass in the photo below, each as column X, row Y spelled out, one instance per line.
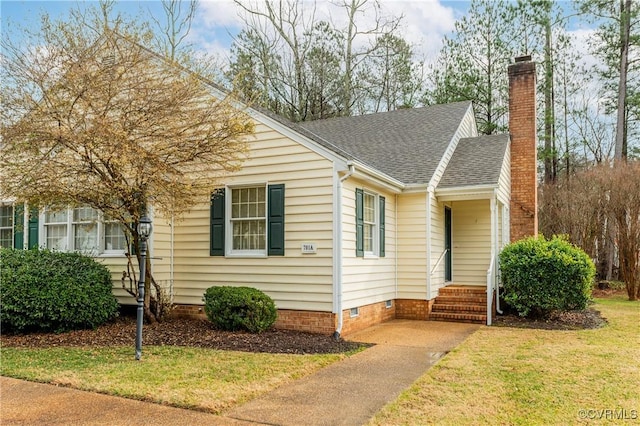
column 532, row 377
column 203, row 379
column 497, row 376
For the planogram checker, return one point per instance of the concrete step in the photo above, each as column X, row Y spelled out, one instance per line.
column 458, row 317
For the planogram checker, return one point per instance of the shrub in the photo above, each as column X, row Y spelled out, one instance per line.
column 53, row 291
column 541, row 276
column 239, row 308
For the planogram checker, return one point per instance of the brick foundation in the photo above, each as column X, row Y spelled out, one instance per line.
column 413, row 309
column 188, row 311
column 368, row 315
column 310, row 321
column 313, row 321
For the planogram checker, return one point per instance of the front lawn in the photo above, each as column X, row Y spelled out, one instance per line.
column 203, row 379
column 519, row 376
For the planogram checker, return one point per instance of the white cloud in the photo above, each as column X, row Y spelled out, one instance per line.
column 423, row 25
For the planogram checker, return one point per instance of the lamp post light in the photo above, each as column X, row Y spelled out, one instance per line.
column 144, row 231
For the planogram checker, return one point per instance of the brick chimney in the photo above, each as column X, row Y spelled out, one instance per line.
column 522, row 128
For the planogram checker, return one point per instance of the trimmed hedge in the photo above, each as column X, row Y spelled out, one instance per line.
column 41, row 290
column 239, row 308
column 541, row 276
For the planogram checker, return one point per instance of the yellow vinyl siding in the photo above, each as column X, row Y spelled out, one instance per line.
column 412, row 246
column 366, row 280
column 294, row 281
column 161, row 252
column 471, row 241
column 117, row 265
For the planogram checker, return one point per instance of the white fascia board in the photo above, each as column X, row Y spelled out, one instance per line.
column 448, row 153
column 414, row 188
column 365, row 172
column 460, row 193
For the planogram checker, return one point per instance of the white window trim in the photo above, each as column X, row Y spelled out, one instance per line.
column 100, row 252
column 228, row 226
column 374, row 253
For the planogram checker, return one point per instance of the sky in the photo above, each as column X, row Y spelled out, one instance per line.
column 424, row 24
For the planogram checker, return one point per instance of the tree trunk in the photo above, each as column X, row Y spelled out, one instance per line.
column 625, row 24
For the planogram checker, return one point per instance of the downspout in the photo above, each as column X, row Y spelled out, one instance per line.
column 430, row 192
column 171, row 257
column 491, row 275
column 337, row 238
column 396, row 245
column 505, row 239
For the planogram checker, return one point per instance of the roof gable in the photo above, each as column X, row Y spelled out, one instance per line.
column 476, row 161
column 406, row 144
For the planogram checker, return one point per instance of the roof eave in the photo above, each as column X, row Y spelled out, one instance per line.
column 469, row 192
column 363, row 171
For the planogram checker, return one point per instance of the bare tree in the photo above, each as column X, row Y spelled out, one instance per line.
column 92, row 118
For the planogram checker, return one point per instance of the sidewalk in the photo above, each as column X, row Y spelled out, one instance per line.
column 348, row 392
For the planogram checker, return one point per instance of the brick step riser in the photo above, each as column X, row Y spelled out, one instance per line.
column 461, row 291
column 464, row 300
column 458, row 308
column 475, row 319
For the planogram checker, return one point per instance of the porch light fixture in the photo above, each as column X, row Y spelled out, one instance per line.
column 144, row 232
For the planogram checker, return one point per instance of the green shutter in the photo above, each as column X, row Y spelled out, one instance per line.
column 275, row 220
column 359, row 223
column 18, row 226
column 33, row 228
column 217, row 223
column 382, row 201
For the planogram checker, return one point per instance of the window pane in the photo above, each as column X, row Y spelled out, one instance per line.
column 6, row 216
column 249, row 235
column 114, row 237
column 86, row 237
column 85, row 214
column 369, row 208
column 248, row 207
column 6, row 238
column 56, row 216
column 56, row 237
column 368, row 237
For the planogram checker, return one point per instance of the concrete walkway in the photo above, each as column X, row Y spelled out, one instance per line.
column 349, row 392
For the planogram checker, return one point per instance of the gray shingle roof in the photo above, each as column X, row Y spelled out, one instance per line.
column 476, row 161
column 406, row 144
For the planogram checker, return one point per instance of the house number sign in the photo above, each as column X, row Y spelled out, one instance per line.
column 309, row 248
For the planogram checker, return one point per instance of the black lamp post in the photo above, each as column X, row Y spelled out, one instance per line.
column 144, row 231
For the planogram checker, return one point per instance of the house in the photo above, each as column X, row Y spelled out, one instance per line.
column 344, row 222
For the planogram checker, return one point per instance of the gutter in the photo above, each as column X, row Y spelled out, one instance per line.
column 337, row 239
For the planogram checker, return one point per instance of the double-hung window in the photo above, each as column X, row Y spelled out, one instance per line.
column 82, row 229
column 6, row 226
column 248, row 221
column 370, row 224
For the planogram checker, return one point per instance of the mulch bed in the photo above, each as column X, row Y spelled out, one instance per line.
column 185, row 332
column 571, row 320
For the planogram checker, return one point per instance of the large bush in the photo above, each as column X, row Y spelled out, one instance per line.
column 239, row 308
column 541, row 276
column 53, row 291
